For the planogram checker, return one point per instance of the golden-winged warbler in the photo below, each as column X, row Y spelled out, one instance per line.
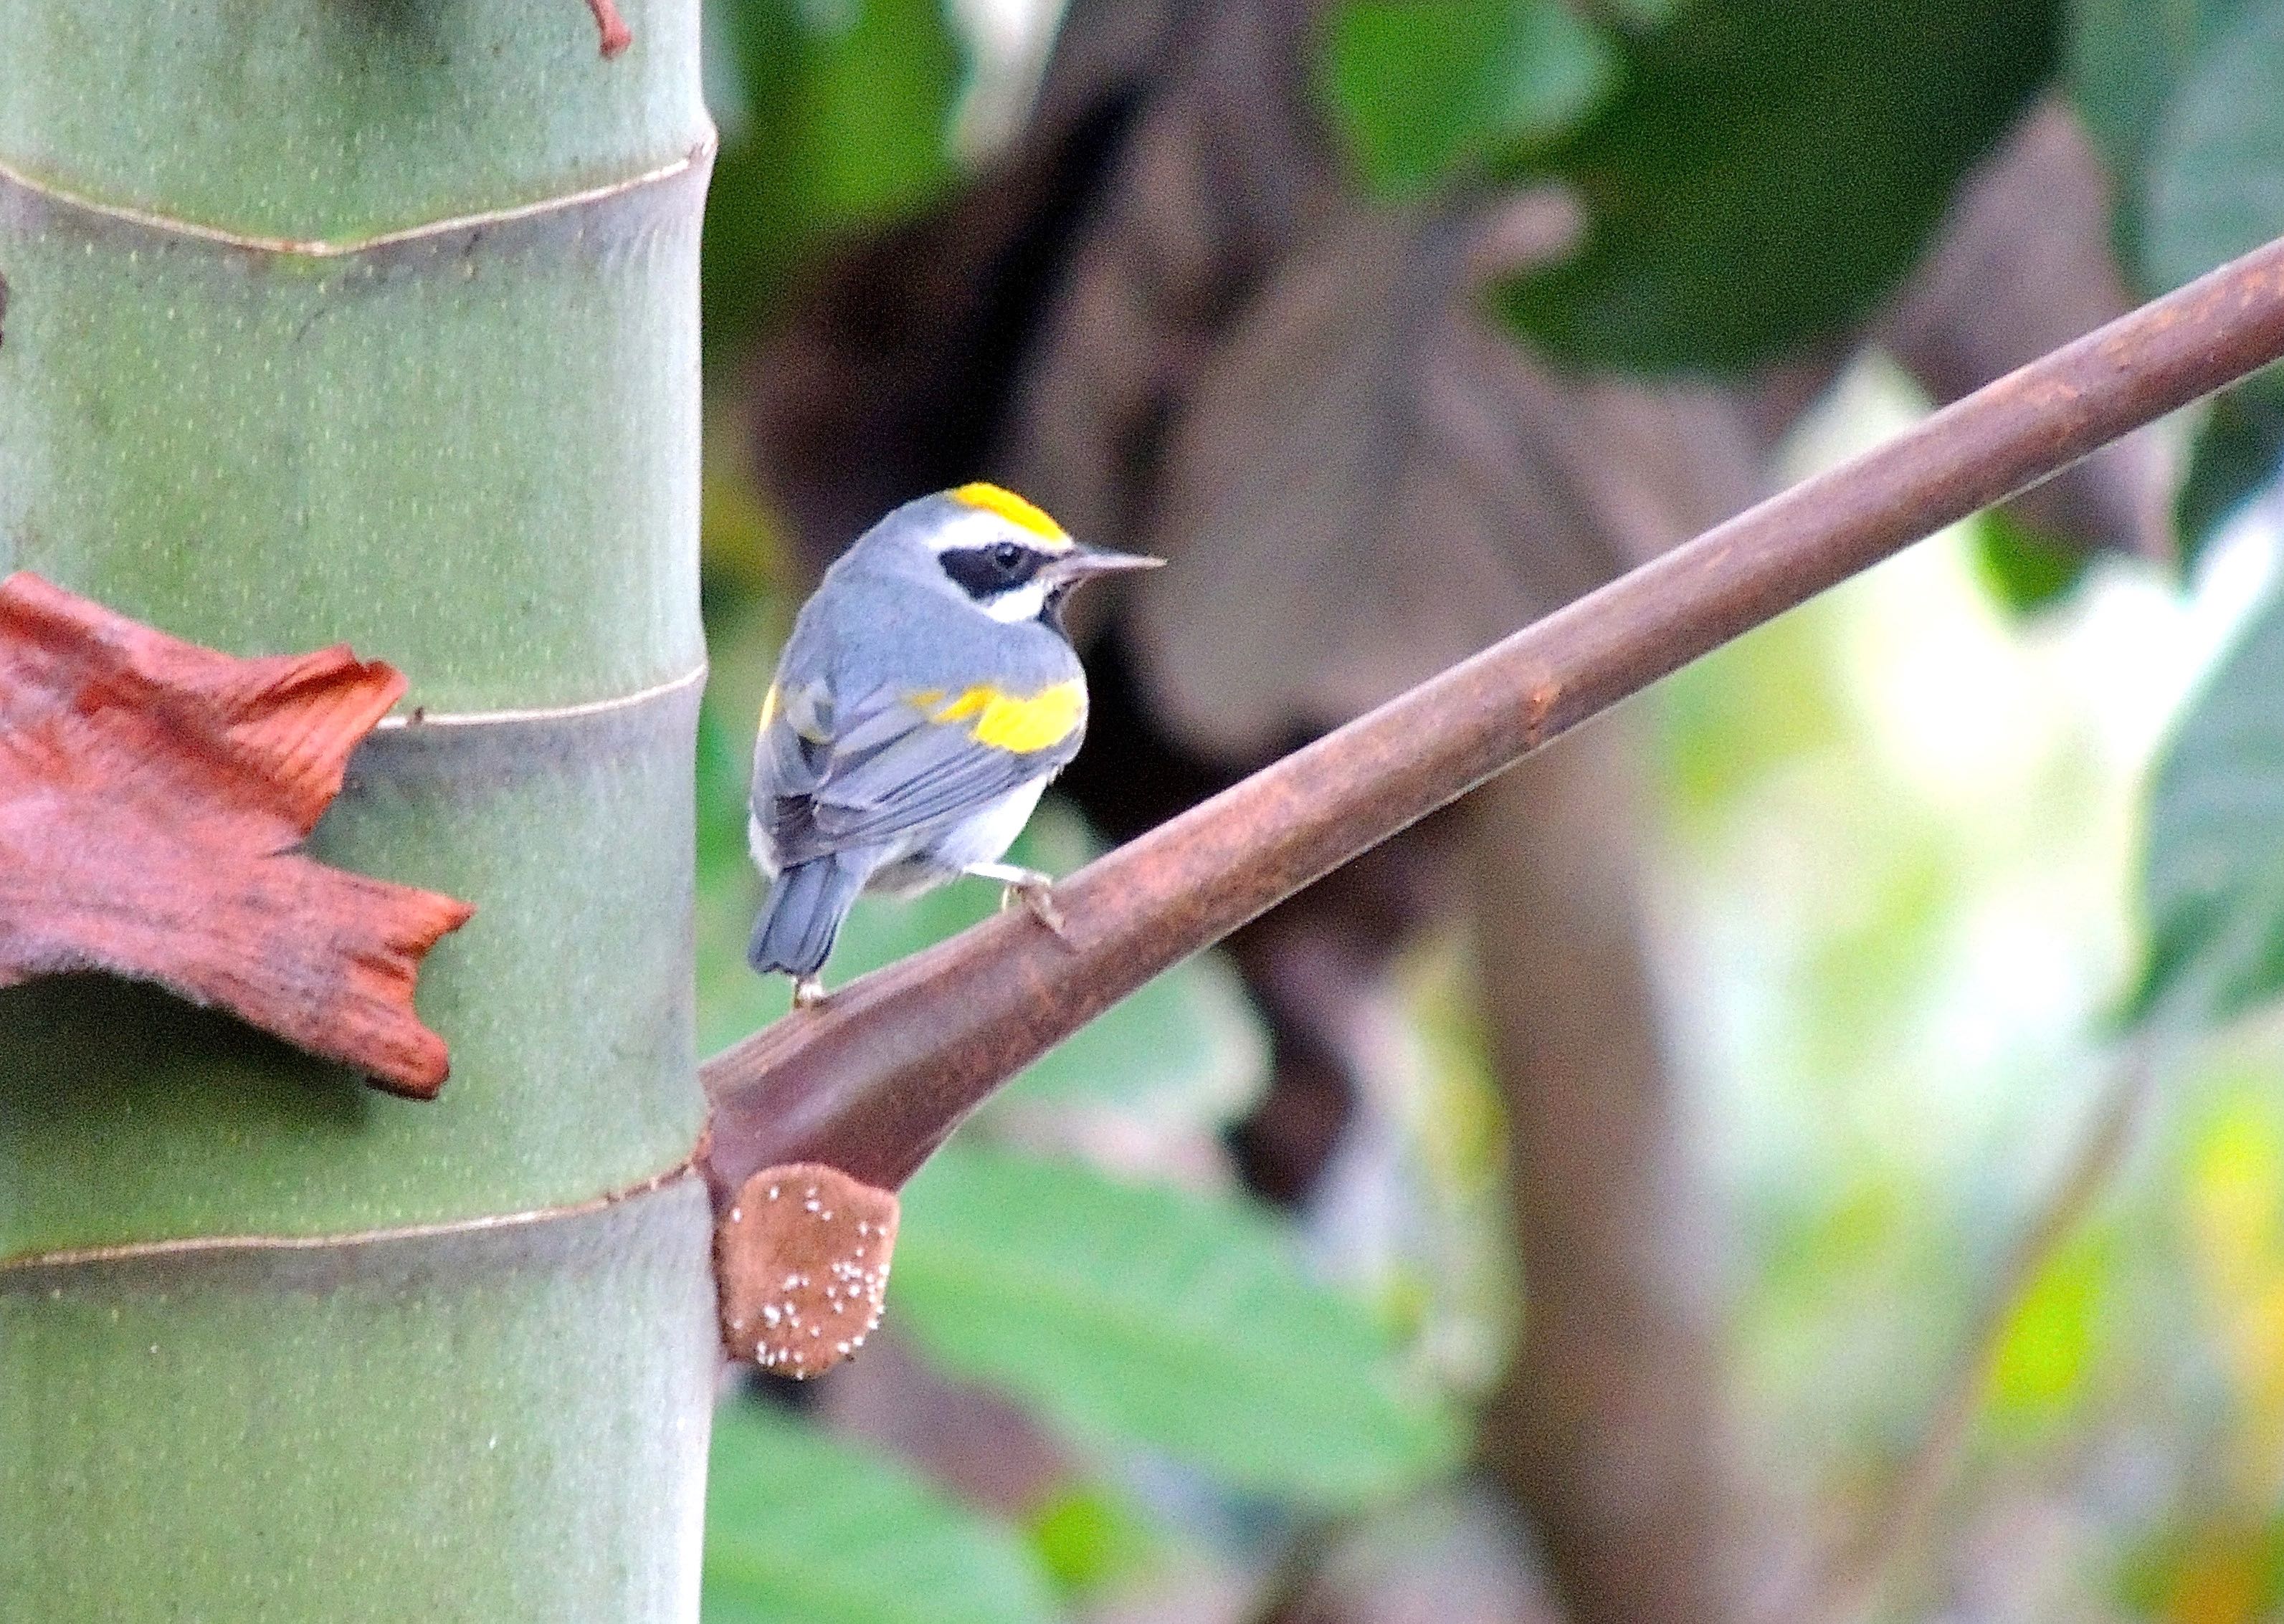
column 928, row 694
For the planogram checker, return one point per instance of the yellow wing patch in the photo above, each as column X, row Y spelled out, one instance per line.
column 1017, row 511
column 768, row 707
column 1017, row 722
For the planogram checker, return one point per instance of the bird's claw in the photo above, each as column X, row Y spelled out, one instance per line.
column 1038, row 894
column 807, row 991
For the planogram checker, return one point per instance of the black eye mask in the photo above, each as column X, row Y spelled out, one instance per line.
column 986, row 572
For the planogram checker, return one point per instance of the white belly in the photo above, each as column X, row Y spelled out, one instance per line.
column 915, row 865
column 984, row 837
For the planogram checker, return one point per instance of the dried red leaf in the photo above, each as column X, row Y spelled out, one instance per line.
column 802, row 1258
column 151, row 794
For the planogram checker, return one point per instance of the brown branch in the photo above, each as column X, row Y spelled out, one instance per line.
column 1606, row 1427
column 873, row 1081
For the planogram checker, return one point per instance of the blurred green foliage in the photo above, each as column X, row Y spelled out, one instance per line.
column 2222, row 1570
column 1768, row 170
column 1904, row 1046
column 2214, row 160
column 2233, row 458
column 834, row 113
column 2127, row 60
column 802, row 1528
column 1139, row 1311
column 1091, row 1539
column 2024, row 570
column 1425, row 87
column 2039, row 1370
column 2213, row 889
column 2186, row 101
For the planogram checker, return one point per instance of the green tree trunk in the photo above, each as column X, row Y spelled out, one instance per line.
column 375, row 321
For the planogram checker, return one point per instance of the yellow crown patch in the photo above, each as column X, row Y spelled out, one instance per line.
column 1017, row 511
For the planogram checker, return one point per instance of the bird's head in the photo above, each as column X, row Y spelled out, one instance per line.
column 1008, row 557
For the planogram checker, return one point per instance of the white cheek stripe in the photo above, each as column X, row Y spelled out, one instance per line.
column 1025, row 602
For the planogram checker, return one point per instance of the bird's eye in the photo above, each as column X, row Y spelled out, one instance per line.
column 1006, row 555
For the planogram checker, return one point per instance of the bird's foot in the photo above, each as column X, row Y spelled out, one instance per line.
column 1037, row 890
column 807, row 991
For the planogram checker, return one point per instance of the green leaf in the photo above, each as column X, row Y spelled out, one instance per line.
column 1632, row 15
column 2126, row 59
column 844, row 112
column 2235, row 456
column 1174, row 1320
column 876, row 106
column 2208, row 122
column 2216, row 165
column 802, row 1528
column 1090, row 1538
column 2213, row 882
column 851, row 101
column 2051, row 1343
column 2023, row 570
column 1419, row 87
column 1770, row 170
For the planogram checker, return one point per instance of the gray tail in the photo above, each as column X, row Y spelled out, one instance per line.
column 807, row 903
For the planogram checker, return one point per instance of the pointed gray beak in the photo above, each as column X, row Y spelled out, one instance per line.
column 1084, row 563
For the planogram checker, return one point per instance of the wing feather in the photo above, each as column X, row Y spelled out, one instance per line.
column 886, row 769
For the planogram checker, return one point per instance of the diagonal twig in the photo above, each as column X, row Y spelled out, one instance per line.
column 1851, row 1577
column 872, row 1082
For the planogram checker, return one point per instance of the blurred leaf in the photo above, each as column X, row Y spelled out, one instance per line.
column 742, row 546
column 2216, row 184
column 2022, row 569
column 722, row 776
column 2233, row 1199
column 2206, row 1572
column 753, row 203
column 1173, row 1320
column 1632, row 15
column 843, row 114
column 2236, row 455
column 2040, row 1365
column 2216, row 189
column 876, row 106
column 1088, row 1538
column 1770, row 169
column 2213, row 882
column 1363, row 395
column 2126, row 59
column 803, row 1529
column 1423, row 86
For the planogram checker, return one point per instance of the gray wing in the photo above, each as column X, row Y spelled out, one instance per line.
column 827, row 778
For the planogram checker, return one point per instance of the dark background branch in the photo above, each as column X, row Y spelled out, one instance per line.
column 1618, row 1359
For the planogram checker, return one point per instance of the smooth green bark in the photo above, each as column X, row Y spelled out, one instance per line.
column 272, row 1345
